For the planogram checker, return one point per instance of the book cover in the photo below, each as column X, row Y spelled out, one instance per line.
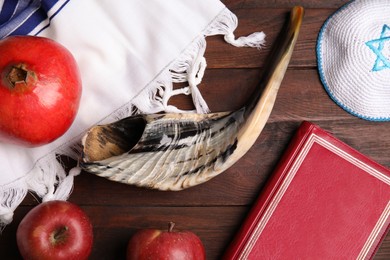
column 324, row 200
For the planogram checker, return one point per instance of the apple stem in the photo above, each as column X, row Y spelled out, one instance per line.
column 60, row 235
column 170, row 226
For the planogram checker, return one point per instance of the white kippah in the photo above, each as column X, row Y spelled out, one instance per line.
column 353, row 53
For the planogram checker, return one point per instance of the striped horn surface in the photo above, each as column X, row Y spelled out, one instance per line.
column 178, row 151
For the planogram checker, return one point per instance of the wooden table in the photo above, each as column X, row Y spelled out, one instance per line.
column 216, row 209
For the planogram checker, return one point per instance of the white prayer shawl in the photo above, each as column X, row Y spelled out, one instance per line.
column 130, row 52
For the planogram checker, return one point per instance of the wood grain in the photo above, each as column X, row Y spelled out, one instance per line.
column 216, row 209
column 270, row 21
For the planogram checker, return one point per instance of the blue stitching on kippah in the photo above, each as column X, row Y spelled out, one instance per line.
column 322, row 74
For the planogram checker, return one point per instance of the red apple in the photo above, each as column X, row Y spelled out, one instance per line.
column 40, row 90
column 55, row 230
column 165, row 244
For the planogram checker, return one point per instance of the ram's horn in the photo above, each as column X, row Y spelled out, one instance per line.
column 177, row 151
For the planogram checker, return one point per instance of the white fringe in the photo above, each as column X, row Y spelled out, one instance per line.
column 190, row 67
column 10, row 197
column 48, row 178
column 226, row 23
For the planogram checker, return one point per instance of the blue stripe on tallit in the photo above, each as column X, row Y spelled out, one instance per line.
column 53, row 15
column 19, row 20
column 7, row 10
column 20, row 17
column 32, row 21
column 48, row 4
column 22, row 5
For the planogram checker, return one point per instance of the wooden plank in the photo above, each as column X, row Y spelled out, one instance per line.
column 301, row 94
column 384, row 249
column 216, row 209
column 249, row 4
column 301, row 97
column 240, row 184
column 222, row 55
column 114, row 226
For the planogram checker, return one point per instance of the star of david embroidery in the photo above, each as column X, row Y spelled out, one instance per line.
column 378, row 47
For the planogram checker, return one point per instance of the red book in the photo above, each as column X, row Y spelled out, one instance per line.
column 325, row 200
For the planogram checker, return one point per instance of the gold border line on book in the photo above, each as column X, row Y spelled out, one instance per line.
column 275, row 201
column 350, row 158
column 375, row 233
column 292, row 172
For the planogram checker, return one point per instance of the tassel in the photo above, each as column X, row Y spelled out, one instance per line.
column 11, row 198
column 190, row 67
column 226, row 24
column 64, row 188
column 255, row 40
column 194, row 78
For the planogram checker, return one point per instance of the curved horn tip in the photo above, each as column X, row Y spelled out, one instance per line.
column 298, row 11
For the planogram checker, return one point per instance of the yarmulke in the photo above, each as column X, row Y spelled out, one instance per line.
column 353, row 54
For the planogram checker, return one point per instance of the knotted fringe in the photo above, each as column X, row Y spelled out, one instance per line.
column 48, row 178
column 226, row 24
column 11, row 197
column 190, row 67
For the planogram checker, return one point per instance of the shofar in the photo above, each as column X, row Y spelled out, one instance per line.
column 178, row 151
